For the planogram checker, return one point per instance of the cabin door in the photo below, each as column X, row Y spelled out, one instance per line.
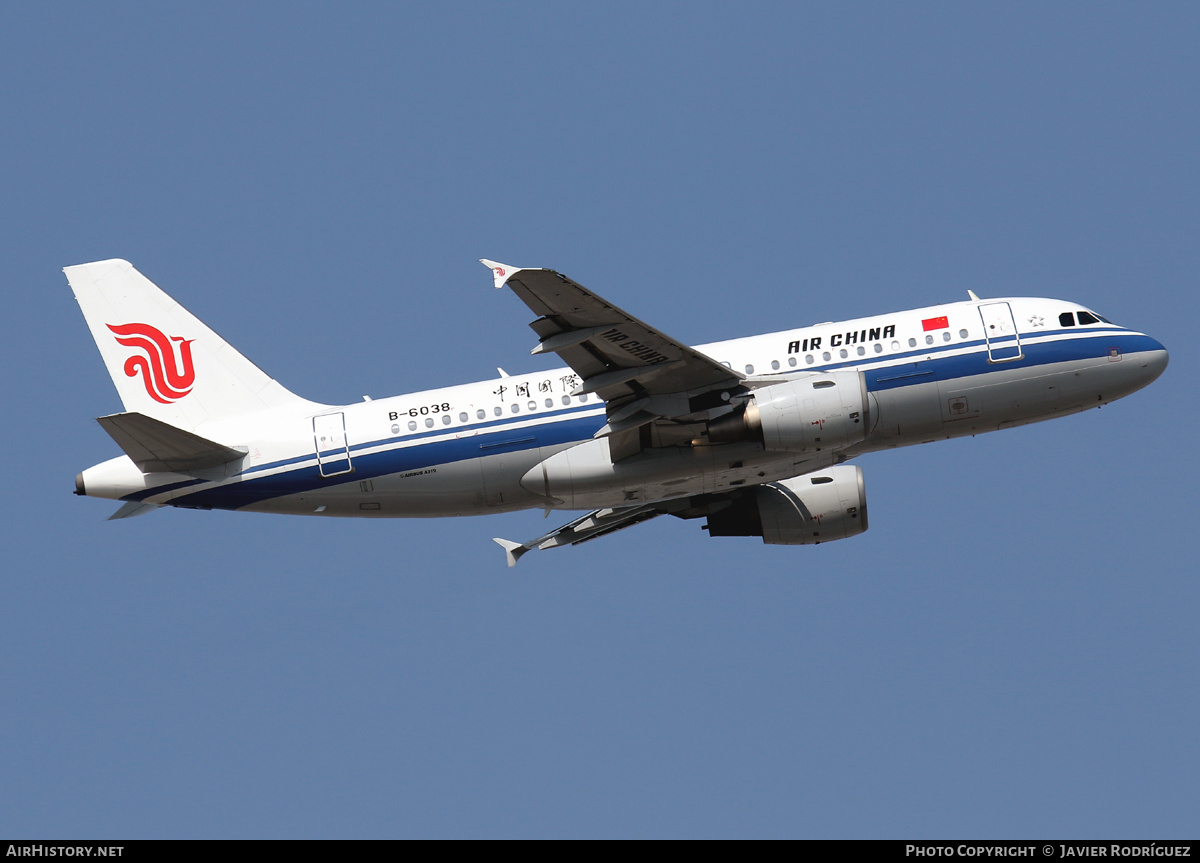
column 1000, row 330
column 329, row 437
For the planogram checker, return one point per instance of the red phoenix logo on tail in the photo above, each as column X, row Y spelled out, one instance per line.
column 167, row 378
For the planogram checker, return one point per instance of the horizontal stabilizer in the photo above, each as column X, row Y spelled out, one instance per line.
column 134, row 507
column 155, row 446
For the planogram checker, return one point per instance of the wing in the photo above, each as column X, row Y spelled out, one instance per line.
column 787, row 512
column 591, row 526
column 602, row 522
column 616, row 356
column 653, row 384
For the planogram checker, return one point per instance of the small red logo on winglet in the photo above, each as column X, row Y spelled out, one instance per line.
column 499, row 271
column 167, row 377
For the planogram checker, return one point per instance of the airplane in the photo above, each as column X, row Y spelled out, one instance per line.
column 755, row 434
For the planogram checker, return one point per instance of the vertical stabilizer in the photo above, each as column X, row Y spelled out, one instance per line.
column 165, row 362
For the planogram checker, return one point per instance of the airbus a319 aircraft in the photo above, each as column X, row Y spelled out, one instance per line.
column 753, row 434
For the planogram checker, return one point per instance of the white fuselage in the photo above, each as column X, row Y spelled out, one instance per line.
column 934, row 373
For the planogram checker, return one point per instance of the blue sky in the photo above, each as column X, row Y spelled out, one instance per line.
column 1010, row 650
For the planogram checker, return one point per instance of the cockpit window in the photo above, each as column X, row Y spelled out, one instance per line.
column 1066, row 319
column 1088, row 318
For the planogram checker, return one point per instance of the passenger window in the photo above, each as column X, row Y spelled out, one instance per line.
column 1087, row 318
column 749, row 369
column 878, row 348
column 396, row 428
column 498, row 411
column 462, row 417
column 825, row 356
column 809, row 360
column 929, row 340
column 583, row 397
column 843, row 353
column 445, row 419
column 516, row 408
column 895, row 346
column 962, row 334
column 480, row 414
column 549, row 403
column 861, row 350
column 428, row 422
column 412, row 425
column 532, row 405
column 566, row 400
column 946, row 336
column 1066, row 319
column 912, row 343
column 792, row 361
column 774, row 364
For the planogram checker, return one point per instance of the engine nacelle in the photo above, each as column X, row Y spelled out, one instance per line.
column 818, row 507
column 820, row 411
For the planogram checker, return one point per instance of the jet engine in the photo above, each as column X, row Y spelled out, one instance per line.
column 820, row 411
column 818, row 507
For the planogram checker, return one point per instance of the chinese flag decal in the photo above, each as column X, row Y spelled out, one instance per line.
column 935, row 323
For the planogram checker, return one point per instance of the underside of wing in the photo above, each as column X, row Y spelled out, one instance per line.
column 822, row 505
column 594, row 525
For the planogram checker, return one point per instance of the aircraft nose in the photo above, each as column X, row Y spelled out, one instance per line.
column 1156, row 361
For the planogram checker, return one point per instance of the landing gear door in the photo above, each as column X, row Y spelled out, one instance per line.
column 1000, row 330
column 333, row 452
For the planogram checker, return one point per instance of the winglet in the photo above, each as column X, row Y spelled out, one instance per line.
column 512, row 550
column 500, row 272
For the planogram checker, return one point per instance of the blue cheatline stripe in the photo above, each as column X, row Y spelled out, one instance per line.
column 501, row 435
column 938, row 348
column 478, row 425
column 161, row 489
column 396, row 460
column 947, row 368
